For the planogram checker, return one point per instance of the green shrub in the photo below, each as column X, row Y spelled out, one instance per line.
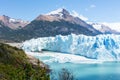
column 14, row 65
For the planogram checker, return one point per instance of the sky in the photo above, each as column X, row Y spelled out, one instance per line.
column 89, row 10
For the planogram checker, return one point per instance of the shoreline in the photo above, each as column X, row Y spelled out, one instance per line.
column 34, row 61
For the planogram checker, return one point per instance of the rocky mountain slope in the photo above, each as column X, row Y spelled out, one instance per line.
column 62, row 14
column 13, row 23
column 57, row 22
column 54, row 23
column 4, row 31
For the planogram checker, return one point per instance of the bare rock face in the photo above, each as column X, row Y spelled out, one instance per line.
column 13, row 23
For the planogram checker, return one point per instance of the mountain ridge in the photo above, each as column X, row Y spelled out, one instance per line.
column 12, row 22
column 105, row 29
column 63, row 14
column 54, row 23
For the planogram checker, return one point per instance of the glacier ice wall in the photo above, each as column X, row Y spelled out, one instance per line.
column 101, row 47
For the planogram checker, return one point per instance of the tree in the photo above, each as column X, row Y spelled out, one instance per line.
column 65, row 74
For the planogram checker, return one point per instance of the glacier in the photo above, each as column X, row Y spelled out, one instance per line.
column 100, row 47
column 57, row 57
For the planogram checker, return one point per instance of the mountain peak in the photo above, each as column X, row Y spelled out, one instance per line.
column 4, row 18
column 64, row 15
column 60, row 11
column 55, row 15
column 12, row 22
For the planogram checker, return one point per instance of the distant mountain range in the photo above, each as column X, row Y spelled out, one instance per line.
column 104, row 28
column 13, row 23
column 54, row 23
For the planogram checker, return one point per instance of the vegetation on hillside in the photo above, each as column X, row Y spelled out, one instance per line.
column 65, row 74
column 14, row 65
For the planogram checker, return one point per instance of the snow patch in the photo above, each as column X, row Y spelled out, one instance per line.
column 58, row 11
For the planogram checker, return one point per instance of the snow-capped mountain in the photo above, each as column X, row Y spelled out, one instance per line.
column 105, row 28
column 114, row 26
column 56, row 15
column 59, row 12
column 62, row 14
column 13, row 23
column 54, row 23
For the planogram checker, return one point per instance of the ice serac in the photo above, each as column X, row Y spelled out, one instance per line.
column 101, row 47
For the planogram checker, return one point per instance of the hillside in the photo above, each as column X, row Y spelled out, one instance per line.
column 5, row 31
column 15, row 65
column 12, row 22
column 46, row 28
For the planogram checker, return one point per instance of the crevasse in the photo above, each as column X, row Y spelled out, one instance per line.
column 100, row 47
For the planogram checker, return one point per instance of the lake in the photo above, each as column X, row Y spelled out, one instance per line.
column 88, row 70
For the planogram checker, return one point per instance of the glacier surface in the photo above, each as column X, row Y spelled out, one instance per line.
column 57, row 57
column 100, row 47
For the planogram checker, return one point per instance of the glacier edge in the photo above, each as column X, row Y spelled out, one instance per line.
column 100, row 47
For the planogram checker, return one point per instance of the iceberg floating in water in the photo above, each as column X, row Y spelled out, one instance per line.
column 100, row 47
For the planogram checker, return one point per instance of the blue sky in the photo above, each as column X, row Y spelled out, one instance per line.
column 93, row 10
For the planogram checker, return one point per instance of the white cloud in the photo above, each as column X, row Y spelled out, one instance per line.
column 75, row 14
column 92, row 6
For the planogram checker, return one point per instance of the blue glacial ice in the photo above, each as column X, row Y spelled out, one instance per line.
column 100, row 47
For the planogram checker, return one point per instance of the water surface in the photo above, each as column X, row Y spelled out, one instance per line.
column 84, row 71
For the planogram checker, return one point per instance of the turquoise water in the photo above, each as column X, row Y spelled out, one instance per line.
column 104, row 71
column 86, row 71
